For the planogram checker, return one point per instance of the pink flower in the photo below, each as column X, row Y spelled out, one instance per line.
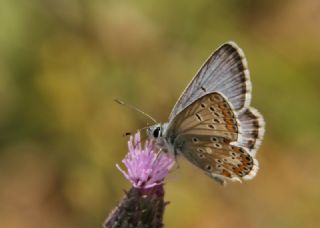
column 145, row 167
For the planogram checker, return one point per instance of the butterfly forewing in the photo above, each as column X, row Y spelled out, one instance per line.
column 226, row 72
column 209, row 115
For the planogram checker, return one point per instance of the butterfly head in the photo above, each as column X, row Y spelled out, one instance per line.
column 155, row 132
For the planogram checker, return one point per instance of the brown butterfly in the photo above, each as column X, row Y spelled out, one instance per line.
column 212, row 124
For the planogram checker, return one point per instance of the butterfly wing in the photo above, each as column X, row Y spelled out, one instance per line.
column 208, row 134
column 220, row 159
column 225, row 72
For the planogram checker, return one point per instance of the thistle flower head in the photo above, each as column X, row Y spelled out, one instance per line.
column 145, row 167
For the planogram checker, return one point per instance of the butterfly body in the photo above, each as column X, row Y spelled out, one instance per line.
column 212, row 124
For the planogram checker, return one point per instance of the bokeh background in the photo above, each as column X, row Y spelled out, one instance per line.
column 62, row 62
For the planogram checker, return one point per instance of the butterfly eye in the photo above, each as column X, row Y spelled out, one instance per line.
column 156, row 132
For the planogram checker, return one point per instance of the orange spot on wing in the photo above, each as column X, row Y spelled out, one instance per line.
column 226, row 173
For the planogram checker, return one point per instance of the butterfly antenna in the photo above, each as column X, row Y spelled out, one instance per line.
column 135, row 109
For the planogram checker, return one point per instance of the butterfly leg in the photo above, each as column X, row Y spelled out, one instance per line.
column 161, row 150
column 177, row 162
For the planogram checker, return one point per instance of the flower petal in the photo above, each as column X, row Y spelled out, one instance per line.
column 145, row 167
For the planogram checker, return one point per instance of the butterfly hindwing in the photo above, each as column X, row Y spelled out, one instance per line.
column 218, row 159
column 206, row 133
column 251, row 129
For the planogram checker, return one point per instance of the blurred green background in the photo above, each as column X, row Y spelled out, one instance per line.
column 62, row 62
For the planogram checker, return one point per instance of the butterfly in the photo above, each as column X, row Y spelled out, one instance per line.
column 212, row 124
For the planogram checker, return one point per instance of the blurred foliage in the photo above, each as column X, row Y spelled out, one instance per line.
column 62, row 62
